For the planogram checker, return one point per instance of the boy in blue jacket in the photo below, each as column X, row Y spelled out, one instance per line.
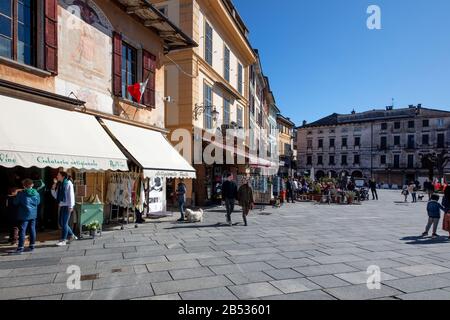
column 434, row 215
column 27, row 202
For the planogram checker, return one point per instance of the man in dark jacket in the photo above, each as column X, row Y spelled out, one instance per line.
column 27, row 201
column 290, row 190
column 245, row 197
column 229, row 193
column 373, row 188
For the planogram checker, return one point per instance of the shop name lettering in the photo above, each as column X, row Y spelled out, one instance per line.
column 116, row 164
column 4, row 158
column 48, row 160
column 154, row 200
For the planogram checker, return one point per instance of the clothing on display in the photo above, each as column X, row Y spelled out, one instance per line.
column 126, row 190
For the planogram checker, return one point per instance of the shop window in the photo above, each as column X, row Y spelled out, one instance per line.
column 18, row 25
column 129, row 69
column 208, row 43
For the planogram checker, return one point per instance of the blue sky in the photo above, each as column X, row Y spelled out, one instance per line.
column 321, row 57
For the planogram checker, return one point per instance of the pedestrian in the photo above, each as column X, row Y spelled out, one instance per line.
column 406, row 193
column 27, row 202
column 373, row 188
column 434, row 215
column 11, row 211
column 181, row 198
column 446, row 205
column 296, row 188
column 412, row 189
column 245, row 197
column 429, row 188
column 229, row 192
column 290, row 190
column 63, row 191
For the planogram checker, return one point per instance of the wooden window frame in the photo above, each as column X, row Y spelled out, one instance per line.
column 209, row 52
column 126, row 95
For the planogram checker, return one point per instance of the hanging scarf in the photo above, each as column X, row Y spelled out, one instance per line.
column 61, row 195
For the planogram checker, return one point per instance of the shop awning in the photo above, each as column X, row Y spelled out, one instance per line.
column 151, row 150
column 36, row 135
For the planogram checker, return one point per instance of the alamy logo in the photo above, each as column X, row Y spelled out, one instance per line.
column 74, row 279
column 374, row 20
column 374, row 279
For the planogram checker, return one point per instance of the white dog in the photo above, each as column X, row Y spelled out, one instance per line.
column 194, row 216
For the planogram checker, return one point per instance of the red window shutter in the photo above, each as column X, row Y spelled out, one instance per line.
column 51, row 36
column 149, row 67
column 117, row 64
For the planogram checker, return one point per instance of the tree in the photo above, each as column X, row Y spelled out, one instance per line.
column 433, row 161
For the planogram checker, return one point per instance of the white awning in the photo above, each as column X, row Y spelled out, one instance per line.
column 36, row 135
column 152, row 151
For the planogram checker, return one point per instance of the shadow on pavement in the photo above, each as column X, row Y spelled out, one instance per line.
column 423, row 241
column 199, row 226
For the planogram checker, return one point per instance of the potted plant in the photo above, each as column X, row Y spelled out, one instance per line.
column 93, row 227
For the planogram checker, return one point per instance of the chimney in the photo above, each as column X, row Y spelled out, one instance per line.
column 353, row 111
column 389, row 108
column 304, row 122
column 419, row 106
column 411, row 106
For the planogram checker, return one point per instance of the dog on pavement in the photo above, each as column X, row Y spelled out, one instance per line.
column 194, row 216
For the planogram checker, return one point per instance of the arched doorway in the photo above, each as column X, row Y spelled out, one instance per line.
column 344, row 173
column 332, row 174
column 320, row 174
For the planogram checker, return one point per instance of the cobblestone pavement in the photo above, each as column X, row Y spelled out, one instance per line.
column 301, row 251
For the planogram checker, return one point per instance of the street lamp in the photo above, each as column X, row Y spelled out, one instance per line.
column 200, row 108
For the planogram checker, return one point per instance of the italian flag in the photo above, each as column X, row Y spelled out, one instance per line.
column 137, row 90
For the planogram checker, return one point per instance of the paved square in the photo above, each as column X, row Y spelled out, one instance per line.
column 301, row 251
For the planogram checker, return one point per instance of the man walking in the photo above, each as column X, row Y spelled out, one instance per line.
column 290, row 190
column 181, row 198
column 373, row 188
column 245, row 197
column 229, row 193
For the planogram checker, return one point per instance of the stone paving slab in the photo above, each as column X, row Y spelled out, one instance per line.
column 241, row 268
column 131, row 280
column 325, row 269
column 119, row 293
column 40, row 290
column 248, row 277
column 283, row 274
column 423, row 270
column 416, row 284
column 254, row 290
column 167, row 297
column 295, row 285
column 191, row 273
column 214, row 262
column 360, row 292
column 212, row 294
column 175, row 286
column 26, row 280
column 329, row 281
column 362, row 276
column 172, row 265
column 307, row 296
column 426, row 295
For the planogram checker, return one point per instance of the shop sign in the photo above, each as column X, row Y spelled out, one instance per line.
column 155, row 200
column 66, row 163
column 6, row 158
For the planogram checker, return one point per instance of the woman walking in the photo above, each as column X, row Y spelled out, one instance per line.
column 64, row 193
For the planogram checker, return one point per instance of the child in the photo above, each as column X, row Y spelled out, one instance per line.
column 434, row 213
column 27, row 201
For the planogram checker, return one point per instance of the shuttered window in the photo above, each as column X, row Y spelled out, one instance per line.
column 208, row 44
column 129, row 69
column 226, row 111
column 149, row 72
column 207, row 100
column 226, row 64
column 240, row 79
